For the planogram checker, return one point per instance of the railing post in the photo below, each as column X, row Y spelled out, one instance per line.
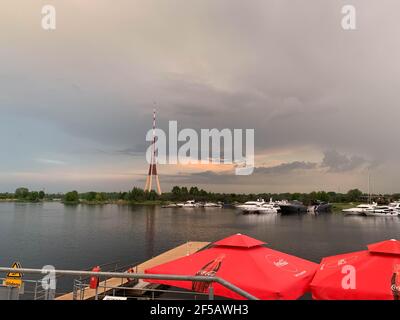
column 35, row 293
column 75, row 290
column 83, row 288
column 51, row 294
column 97, row 294
column 9, row 293
column 211, row 292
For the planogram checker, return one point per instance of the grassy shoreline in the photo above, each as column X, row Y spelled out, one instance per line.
column 23, row 201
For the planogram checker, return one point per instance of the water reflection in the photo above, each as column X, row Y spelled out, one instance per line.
column 262, row 218
column 149, row 234
column 371, row 221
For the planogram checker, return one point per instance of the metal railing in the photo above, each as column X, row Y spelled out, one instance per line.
column 138, row 276
column 80, row 283
column 132, row 292
column 31, row 288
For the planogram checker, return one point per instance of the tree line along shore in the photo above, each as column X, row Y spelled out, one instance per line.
column 179, row 194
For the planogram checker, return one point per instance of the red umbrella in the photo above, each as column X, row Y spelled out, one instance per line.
column 372, row 274
column 246, row 263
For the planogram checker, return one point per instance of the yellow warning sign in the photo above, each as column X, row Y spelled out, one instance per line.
column 14, row 279
column 16, row 265
column 11, row 282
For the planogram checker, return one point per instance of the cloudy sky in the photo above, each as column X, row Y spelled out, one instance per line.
column 76, row 103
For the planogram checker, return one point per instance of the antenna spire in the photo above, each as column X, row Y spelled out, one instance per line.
column 153, row 167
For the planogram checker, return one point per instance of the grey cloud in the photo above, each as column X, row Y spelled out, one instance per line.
column 338, row 162
column 333, row 162
column 286, row 167
column 137, row 150
column 229, row 177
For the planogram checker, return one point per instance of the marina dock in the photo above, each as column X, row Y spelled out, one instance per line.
column 109, row 285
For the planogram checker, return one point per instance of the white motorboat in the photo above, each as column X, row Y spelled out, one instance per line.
column 259, row 206
column 251, row 206
column 363, row 208
column 188, row 204
column 269, row 208
column 360, row 209
column 382, row 211
column 395, row 205
column 212, row 205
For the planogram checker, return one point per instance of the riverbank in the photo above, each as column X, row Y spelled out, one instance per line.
column 22, row 201
column 86, row 202
column 117, row 202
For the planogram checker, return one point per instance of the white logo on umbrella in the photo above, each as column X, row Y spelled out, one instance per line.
column 339, row 263
column 283, row 264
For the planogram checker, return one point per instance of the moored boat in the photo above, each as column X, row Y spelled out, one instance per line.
column 269, row 208
column 395, row 206
column 360, row 209
column 259, row 207
column 382, row 211
column 251, row 206
column 319, row 206
column 188, row 204
column 213, row 205
column 293, row 207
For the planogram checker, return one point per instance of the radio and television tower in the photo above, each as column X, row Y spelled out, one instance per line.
column 153, row 168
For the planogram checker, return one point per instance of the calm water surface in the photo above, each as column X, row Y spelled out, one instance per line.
column 75, row 237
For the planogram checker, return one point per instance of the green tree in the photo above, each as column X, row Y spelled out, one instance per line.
column 41, row 195
column 71, row 197
column 22, row 193
column 354, row 195
column 194, row 191
column 90, row 196
column 137, row 194
column 176, row 190
column 33, row 196
column 100, row 197
column 184, row 193
column 322, row 196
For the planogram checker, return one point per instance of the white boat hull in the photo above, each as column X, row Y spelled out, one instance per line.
column 270, row 211
column 212, row 205
column 382, row 214
column 247, row 210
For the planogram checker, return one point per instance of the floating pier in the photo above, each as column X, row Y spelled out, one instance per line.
column 110, row 284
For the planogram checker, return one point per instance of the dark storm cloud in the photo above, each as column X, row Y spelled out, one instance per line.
column 286, row 167
column 337, row 162
column 229, row 177
column 333, row 162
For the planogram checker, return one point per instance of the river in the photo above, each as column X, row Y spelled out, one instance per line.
column 82, row 236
